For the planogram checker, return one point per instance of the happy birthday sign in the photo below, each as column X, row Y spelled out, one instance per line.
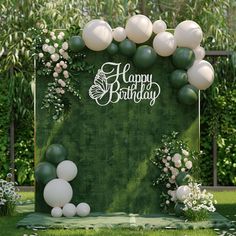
column 113, row 83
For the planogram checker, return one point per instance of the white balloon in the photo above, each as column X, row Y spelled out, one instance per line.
column 201, row 74
column 119, row 34
column 67, row 170
column 69, row 210
column 56, row 212
column 138, row 28
column 57, row 193
column 83, row 209
column 188, row 34
column 182, row 192
column 97, row 35
column 199, row 53
column 164, row 44
column 159, row 26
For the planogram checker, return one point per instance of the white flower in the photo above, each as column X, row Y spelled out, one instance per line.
column 55, row 45
column 60, row 37
column 167, row 164
column 40, row 55
column 48, row 64
column 58, row 69
column 51, row 49
column 62, row 83
column 61, row 51
column 64, row 66
column 55, row 57
column 185, row 153
column 66, row 76
column 164, row 160
column 176, row 157
column 47, row 40
column 65, row 72
column 168, row 158
column 62, row 63
column 188, row 164
column 175, row 171
column 185, row 159
column 55, row 74
column 54, row 37
column 169, row 192
column 165, row 170
column 65, row 46
column 172, row 177
column 52, row 33
column 178, row 164
column 45, row 47
column 65, row 55
column 168, row 185
column 45, row 31
column 62, row 34
column 182, row 169
column 172, row 181
column 167, row 202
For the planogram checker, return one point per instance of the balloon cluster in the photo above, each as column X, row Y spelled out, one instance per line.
column 55, row 173
column 192, row 72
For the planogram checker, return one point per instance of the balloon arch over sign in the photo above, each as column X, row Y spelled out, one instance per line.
column 107, row 98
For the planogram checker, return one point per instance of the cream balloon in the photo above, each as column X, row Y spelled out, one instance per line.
column 201, row 74
column 119, row 34
column 83, row 209
column 199, row 53
column 69, row 210
column 182, row 192
column 164, row 44
column 67, row 170
column 57, row 193
column 138, row 28
column 188, row 34
column 56, row 212
column 159, row 26
column 97, row 35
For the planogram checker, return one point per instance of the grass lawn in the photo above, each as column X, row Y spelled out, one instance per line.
column 226, row 206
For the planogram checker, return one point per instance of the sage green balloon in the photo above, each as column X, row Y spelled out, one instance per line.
column 183, row 58
column 76, row 43
column 56, row 153
column 178, row 78
column 127, row 48
column 144, row 57
column 188, row 95
column 112, row 49
column 45, row 172
column 179, row 209
column 183, row 178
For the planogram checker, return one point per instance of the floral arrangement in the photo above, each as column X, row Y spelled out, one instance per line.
column 197, row 203
column 55, row 59
column 180, row 193
column 8, row 196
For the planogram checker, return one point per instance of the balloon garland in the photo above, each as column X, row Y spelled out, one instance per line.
column 191, row 73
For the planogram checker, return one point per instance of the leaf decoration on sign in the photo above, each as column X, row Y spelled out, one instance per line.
column 100, row 87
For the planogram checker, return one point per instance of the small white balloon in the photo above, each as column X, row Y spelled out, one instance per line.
column 57, row 193
column 201, row 74
column 69, row 210
column 199, row 53
column 97, row 35
column 164, row 44
column 83, row 209
column 188, row 34
column 56, row 212
column 67, row 170
column 138, row 28
column 119, row 34
column 159, row 26
column 182, row 192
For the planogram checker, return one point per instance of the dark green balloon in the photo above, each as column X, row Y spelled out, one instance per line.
column 56, row 153
column 188, row 95
column 145, row 56
column 178, row 78
column 112, row 49
column 76, row 43
column 183, row 178
column 179, row 209
column 127, row 48
column 183, row 58
column 45, row 172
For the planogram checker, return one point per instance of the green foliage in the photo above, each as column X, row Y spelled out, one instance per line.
column 196, row 215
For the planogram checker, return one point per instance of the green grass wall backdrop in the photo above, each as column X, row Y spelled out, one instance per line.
column 112, row 145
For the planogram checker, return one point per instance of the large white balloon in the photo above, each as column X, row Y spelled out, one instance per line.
column 199, row 53
column 57, row 193
column 97, row 35
column 159, row 26
column 164, row 44
column 83, row 209
column 188, row 34
column 138, row 28
column 119, row 34
column 67, row 170
column 69, row 210
column 182, row 192
column 201, row 74
column 56, row 212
